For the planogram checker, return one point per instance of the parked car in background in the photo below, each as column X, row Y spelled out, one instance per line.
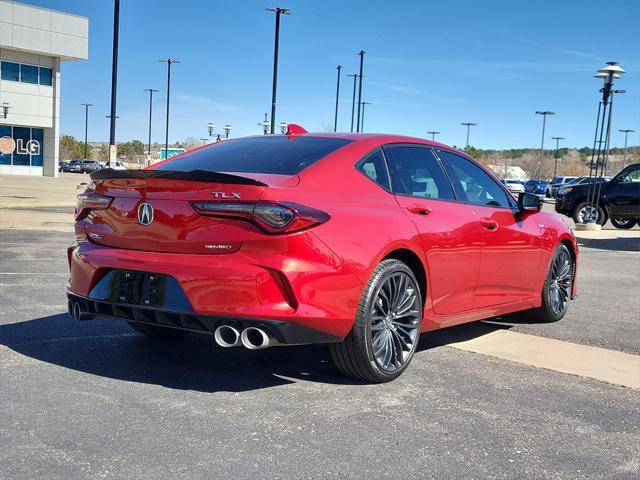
column 116, row 165
column 556, row 183
column 537, row 187
column 274, row 252
column 619, row 199
column 513, row 185
column 63, row 166
column 88, row 166
column 75, row 166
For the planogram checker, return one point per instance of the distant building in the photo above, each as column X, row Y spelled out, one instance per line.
column 33, row 43
column 505, row 171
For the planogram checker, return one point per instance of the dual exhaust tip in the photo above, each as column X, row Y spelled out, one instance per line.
column 252, row 338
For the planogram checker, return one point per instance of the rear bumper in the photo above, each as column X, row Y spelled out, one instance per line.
column 294, row 280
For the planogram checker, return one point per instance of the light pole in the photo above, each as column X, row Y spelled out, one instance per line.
column 468, row 125
column 433, row 135
column 265, row 125
column 626, row 132
column 555, row 168
column 335, row 121
column 361, row 53
column 169, row 62
column 210, row 127
column 353, row 101
column 86, row 125
column 362, row 124
column 227, row 130
column 204, row 141
column 114, row 81
column 278, row 11
column 151, row 92
column 544, row 122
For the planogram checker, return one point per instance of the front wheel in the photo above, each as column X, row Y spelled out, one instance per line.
column 384, row 337
column 584, row 213
column 623, row 223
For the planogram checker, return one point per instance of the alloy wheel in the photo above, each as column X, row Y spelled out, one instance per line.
column 561, row 277
column 395, row 318
column 588, row 214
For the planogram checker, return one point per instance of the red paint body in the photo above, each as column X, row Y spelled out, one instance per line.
column 316, row 277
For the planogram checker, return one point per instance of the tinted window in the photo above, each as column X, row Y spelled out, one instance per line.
column 46, row 76
column 10, row 71
column 471, row 183
column 28, row 74
column 631, row 175
column 374, row 167
column 415, row 171
column 267, row 154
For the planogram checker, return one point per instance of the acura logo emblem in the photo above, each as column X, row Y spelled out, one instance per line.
column 145, row 213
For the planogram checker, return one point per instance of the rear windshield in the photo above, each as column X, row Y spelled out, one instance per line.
column 268, row 154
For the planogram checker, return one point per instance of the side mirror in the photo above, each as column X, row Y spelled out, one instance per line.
column 529, row 202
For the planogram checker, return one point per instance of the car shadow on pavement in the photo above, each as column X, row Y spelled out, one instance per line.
column 625, row 244
column 111, row 349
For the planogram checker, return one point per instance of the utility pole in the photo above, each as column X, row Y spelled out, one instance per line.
column 555, row 168
column 544, row 122
column 169, row 62
column 468, row 125
column 335, row 121
column 361, row 53
column 278, row 11
column 353, row 101
column 433, row 135
column 86, row 125
column 626, row 132
column 114, row 82
column 151, row 92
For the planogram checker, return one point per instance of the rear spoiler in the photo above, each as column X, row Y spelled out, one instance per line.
column 191, row 176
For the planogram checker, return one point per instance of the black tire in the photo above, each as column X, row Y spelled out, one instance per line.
column 578, row 214
column 547, row 312
column 355, row 356
column 157, row 333
column 623, row 223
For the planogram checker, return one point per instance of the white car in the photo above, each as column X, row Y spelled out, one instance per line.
column 513, row 185
column 115, row 165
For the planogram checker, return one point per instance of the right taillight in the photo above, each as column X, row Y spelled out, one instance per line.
column 91, row 201
column 272, row 218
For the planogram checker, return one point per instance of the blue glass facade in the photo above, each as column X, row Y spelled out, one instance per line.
column 22, row 136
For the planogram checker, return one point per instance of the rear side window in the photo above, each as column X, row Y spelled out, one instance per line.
column 374, row 167
column 415, row 171
column 471, row 183
column 267, row 154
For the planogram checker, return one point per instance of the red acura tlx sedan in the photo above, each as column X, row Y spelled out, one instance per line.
column 360, row 242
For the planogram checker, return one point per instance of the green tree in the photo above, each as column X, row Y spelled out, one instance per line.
column 71, row 149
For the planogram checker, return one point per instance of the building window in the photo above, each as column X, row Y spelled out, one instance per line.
column 46, row 76
column 28, row 74
column 10, row 71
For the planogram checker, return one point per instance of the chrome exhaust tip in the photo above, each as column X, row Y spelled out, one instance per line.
column 255, row 338
column 79, row 313
column 70, row 308
column 227, row 336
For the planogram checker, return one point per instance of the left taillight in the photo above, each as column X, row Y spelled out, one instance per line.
column 272, row 218
column 91, row 201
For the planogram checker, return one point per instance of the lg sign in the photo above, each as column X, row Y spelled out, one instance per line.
column 8, row 146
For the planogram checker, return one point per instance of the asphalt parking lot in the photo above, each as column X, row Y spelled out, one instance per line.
column 96, row 400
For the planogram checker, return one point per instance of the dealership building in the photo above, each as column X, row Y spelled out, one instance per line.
column 33, row 43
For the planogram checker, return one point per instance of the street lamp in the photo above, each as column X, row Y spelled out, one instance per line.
column 335, row 121
column 353, row 101
column 5, row 109
column 468, row 125
column 433, row 135
column 86, row 125
column 151, row 92
column 283, row 127
column 204, row 141
column 626, row 132
column 362, row 124
column 114, row 81
column 169, row 62
column 265, row 125
column 227, row 130
column 278, row 11
column 555, row 168
column 210, row 127
column 544, row 122
column 361, row 53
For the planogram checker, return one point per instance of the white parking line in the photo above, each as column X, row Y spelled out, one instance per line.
column 608, row 366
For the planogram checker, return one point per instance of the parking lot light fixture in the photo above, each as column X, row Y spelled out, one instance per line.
column 5, row 109
column 227, row 130
column 555, row 168
column 169, row 62
column 278, row 11
column 204, row 141
column 626, row 132
column 265, row 125
column 335, row 121
column 433, row 135
column 362, row 123
column 151, row 92
column 353, row 101
column 283, row 127
column 86, row 125
column 468, row 125
column 544, row 114
column 361, row 53
column 210, row 127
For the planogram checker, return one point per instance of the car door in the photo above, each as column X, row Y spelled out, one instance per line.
column 449, row 230
column 511, row 241
column 622, row 193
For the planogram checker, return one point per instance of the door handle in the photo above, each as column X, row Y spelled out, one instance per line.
column 419, row 209
column 488, row 223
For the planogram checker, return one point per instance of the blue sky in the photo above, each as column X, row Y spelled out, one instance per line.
column 429, row 66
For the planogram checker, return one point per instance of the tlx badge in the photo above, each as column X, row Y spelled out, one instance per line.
column 226, row 195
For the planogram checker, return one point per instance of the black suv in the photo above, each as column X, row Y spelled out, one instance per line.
column 619, row 199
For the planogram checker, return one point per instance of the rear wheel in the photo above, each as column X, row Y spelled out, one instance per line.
column 159, row 333
column 623, row 222
column 384, row 337
column 557, row 288
column 582, row 213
